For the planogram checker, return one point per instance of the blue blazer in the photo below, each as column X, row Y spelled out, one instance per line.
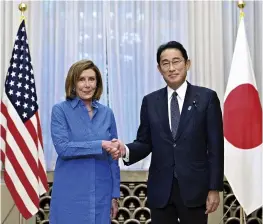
column 197, row 153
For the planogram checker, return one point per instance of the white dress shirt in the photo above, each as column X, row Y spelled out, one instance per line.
column 181, row 91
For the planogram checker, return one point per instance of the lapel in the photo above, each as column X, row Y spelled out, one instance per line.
column 162, row 109
column 188, row 109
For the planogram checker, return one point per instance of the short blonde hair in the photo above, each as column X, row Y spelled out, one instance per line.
column 73, row 76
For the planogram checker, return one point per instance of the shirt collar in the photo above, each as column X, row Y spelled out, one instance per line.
column 74, row 102
column 181, row 91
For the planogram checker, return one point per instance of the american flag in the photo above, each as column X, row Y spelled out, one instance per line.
column 22, row 153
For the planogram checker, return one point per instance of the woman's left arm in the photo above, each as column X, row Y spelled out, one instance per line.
column 115, row 169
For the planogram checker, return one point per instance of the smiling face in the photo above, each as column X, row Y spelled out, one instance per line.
column 173, row 67
column 86, row 85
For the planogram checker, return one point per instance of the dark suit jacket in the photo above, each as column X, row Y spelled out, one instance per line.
column 197, row 153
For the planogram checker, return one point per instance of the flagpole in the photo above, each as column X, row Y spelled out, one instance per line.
column 230, row 207
column 241, row 5
column 22, row 7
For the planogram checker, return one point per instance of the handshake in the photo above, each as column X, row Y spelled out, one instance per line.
column 115, row 148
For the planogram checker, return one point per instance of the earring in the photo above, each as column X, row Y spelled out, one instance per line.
column 73, row 91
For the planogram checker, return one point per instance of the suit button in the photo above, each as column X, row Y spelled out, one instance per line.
column 174, row 145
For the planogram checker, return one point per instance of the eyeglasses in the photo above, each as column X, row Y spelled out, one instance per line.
column 176, row 64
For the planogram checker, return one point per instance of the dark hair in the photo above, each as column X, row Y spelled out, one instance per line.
column 73, row 76
column 169, row 45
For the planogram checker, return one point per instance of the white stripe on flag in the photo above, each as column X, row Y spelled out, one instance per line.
column 20, row 188
column 22, row 161
column 22, row 130
column 2, row 142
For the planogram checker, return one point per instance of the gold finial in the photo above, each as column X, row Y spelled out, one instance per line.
column 241, row 5
column 22, row 7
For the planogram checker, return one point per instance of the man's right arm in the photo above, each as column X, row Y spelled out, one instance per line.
column 141, row 147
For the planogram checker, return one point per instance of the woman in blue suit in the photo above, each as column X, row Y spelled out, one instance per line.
column 87, row 178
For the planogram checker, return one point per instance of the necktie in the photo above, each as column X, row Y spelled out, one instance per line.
column 175, row 114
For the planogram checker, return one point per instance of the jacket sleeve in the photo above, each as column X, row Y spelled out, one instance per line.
column 215, row 143
column 142, row 146
column 115, row 169
column 65, row 148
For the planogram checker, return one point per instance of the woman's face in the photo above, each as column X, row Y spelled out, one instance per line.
column 86, row 85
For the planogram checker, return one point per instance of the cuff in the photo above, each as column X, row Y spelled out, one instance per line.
column 126, row 158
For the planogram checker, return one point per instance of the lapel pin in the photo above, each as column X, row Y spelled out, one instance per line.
column 190, row 107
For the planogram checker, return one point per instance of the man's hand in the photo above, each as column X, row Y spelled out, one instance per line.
column 212, row 201
column 112, row 147
column 114, row 208
column 121, row 147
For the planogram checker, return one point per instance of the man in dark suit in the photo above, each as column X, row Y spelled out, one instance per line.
column 181, row 125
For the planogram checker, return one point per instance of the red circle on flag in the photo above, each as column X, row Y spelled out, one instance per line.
column 243, row 117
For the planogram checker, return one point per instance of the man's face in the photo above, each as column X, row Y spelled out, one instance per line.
column 173, row 67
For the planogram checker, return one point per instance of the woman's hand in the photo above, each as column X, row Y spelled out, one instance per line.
column 114, row 208
column 112, row 147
